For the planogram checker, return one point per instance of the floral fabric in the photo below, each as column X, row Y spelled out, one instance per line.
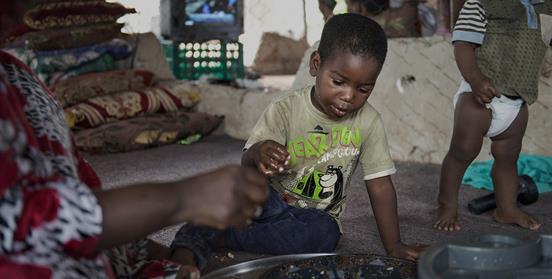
column 49, row 218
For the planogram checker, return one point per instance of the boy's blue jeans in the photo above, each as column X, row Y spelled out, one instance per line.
column 281, row 229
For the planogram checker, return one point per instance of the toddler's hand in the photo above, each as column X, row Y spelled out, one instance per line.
column 484, row 90
column 272, row 158
column 409, row 252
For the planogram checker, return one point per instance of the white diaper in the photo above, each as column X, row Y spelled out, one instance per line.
column 504, row 110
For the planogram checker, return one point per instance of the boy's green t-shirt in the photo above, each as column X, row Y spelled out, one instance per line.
column 324, row 153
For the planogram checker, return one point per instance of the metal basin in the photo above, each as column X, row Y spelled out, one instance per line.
column 255, row 268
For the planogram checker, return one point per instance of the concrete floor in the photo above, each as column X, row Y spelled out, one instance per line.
column 416, row 186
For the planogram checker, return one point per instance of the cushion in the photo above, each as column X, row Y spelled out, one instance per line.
column 68, row 37
column 103, row 64
column 146, row 131
column 163, row 98
column 71, row 13
column 81, row 88
column 65, row 59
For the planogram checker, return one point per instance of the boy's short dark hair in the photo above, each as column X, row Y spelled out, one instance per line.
column 355, row 33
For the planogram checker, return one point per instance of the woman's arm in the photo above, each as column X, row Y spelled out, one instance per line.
column 220, row 198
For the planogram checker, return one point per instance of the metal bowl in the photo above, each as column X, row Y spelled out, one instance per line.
column 255, row 268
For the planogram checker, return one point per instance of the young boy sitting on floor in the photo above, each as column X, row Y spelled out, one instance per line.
column 309, row 144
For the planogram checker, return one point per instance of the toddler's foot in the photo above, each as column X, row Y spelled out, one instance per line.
column 517, row 217
column 447, row 219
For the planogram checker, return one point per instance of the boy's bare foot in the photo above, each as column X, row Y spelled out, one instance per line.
column 447, row 219
column 517, row 217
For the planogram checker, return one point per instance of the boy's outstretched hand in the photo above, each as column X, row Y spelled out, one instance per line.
column 271, row 157
column 409, row 252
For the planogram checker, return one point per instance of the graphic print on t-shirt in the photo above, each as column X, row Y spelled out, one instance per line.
column 327, row 157
column 319, row 186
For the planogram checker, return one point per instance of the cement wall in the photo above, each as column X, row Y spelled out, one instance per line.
column 418, row 120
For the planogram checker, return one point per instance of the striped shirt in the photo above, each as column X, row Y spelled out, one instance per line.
column 472, row 21
column 471, row 24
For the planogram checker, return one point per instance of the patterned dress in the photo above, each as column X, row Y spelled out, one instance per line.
column 50, row 220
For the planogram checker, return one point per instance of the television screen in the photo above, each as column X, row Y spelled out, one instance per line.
column 201, row 20
column 211, row 12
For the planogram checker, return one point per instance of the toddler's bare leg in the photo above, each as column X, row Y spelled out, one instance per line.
column 471, row 123
column 505, row 149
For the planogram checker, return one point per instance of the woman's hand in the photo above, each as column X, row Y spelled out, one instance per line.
column 229, row 196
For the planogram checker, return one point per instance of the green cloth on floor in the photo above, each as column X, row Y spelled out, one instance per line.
column 539, row 168
column 191, row 139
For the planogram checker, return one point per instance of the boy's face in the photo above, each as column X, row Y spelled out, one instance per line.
column 343, row 82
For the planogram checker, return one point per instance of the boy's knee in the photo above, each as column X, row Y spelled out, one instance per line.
column 464, row 153
column 329, row 236
column 505, row 152
column 323, row 233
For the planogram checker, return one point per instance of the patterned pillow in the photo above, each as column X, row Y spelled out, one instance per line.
column 66, row 59
column 68, row 37
column 124, row 105
column 146, row 131
column 81, row 88
column 71, row 13
column 103, row 64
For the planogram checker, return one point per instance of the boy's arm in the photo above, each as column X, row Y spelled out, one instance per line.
column 468, row 35
column 481, row 85
column 265, row 149
column 384, row 205
column 464, row 54
column 250, row 154
column 456, row 7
